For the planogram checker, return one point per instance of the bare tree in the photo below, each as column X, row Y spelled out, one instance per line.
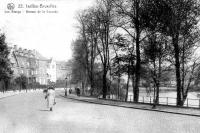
column 182, row 18
column 79, row 68
column 104, row 17
column 132, row 19
column 123, row 62
column 156, row 51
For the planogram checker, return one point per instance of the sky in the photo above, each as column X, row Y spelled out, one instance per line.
column 50, row 34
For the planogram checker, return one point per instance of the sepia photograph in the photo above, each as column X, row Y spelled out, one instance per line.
column 99, row 66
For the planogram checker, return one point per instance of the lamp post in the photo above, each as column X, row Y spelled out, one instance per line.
column 66, row 87
column 70, row 81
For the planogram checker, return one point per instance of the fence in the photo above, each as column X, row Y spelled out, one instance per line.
column 195, row 103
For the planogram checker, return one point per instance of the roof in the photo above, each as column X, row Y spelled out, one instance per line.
column 40, row 56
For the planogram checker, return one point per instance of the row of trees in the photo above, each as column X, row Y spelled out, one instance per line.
column 143, row 39
column 5, row 68
column 23, row 82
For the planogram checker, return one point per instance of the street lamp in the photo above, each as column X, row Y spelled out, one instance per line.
column 66, row 87
column 70, row 81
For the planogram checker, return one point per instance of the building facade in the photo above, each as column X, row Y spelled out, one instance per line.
column 23, row 62
column 35, row 67
column 51, row 70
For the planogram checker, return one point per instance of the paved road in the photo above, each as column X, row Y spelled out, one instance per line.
column 26, row 113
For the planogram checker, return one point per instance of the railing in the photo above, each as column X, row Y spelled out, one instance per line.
column 195, row 103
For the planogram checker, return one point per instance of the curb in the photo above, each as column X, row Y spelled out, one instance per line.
column 8, row 96
column 123, row 106
column 16, row 94
column 172, row 106
column 11, row 95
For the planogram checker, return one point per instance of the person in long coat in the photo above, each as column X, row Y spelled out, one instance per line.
column 50, row 96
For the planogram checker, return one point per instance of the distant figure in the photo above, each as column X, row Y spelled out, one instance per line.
column 78, row 91
column 70, row 91
column 50, row 96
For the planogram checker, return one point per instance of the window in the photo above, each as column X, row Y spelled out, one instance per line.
column 28, row 64
column 27, row 73
column 40, row 80
column 37, row 79
column 32, row 72
column 36, row 72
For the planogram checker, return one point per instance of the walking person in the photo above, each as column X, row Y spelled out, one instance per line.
column 50, row 96
column 78, row 91
column 70, row 91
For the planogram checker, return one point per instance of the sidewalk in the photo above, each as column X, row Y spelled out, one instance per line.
column 8, row 94
column 12, row 93
column 160, row 108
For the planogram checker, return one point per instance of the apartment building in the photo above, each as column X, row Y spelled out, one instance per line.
column 36, row 67
column 23, row 61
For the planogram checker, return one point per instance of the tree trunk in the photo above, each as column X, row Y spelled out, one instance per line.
column 159, row 76
column 91, row 89
column 104, row 85
column 157, row 91
column 104, row 80
column 82, row 86
column 137, row 74
column 127, row 85
column 155, row 83
column 177, row 65
column 91, row 81
column 91, row 70
column 118, row 87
